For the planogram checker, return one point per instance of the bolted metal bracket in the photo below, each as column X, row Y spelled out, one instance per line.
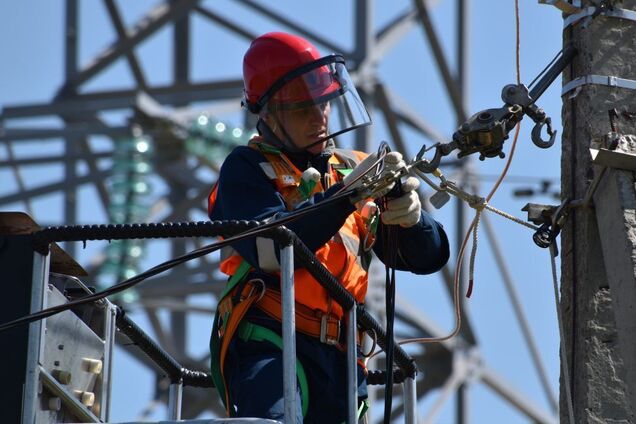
column 612, row 151
column 539, row 214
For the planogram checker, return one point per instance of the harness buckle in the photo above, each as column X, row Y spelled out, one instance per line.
column 253, row 287
column 324, row 331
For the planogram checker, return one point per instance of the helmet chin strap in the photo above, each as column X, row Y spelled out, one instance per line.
column 265, row 130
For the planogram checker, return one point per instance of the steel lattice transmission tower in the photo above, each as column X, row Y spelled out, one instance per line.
column 166, row 135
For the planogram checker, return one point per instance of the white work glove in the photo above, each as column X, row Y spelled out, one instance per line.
column 404, row 210
column 392, row 162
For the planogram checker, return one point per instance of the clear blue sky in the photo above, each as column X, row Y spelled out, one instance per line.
column 32, row 71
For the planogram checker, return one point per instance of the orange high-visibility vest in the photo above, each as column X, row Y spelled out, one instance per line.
column 341, row 255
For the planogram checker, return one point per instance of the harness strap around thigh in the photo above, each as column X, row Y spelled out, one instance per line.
column 248, row 331
column 226, row 321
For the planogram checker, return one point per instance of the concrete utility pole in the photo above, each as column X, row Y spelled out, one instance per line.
column 598, row 243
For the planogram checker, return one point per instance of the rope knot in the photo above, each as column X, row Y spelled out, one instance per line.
column 476, row 202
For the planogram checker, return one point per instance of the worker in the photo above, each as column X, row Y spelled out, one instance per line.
column 303, row 102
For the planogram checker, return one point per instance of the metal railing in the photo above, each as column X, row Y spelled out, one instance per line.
column 292, row 249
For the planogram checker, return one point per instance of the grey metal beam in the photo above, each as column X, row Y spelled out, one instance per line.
column 388, row 36
column 71, row 36
column 390, row 120
column 17, row 175
column 198, row 274
column 164, row 340
column 363, row 34
column 70, row 72
column 146, row 26
column 407, row 115
column 133, row 63
column 462, row 405
column 171, row 305
column 93, row 178
column 51, row 159
column 237, row 29
column 73, row 130
column 415, row 317
column 293, row 26
column 170, row 285
column 81, row 145
column 184, row 205
column 524, row 405
column 462, row 51
column 181, row 49
column 517, row 307
column 171, row 161
column 462, row 401
column 186, row 178
column 451, row 386
column 122, row 99
column 448, row 275
column 438, row 53
column 78, row 104
column 100, row 186
column 70, row 187
column 178, row 319
column 131, row 348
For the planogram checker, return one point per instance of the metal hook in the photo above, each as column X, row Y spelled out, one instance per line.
column 536, row 134
column 425, row 165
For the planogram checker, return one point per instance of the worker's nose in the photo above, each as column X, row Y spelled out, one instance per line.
column 318, row 113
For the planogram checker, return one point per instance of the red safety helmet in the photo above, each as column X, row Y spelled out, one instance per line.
column 285, row 68
column 285, row 71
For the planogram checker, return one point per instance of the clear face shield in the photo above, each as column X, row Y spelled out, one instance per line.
column 314, row 103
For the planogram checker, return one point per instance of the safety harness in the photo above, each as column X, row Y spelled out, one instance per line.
column 241, row 293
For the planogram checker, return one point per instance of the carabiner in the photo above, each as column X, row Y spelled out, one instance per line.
column 425, row 165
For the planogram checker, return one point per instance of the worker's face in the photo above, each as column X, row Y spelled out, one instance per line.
column 304, row 126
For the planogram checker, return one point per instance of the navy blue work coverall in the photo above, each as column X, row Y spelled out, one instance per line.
column 254, row 369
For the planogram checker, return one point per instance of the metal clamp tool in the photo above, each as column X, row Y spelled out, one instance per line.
column 486, row 131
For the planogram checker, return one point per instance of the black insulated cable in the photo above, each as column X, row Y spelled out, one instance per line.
column 245, row 229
